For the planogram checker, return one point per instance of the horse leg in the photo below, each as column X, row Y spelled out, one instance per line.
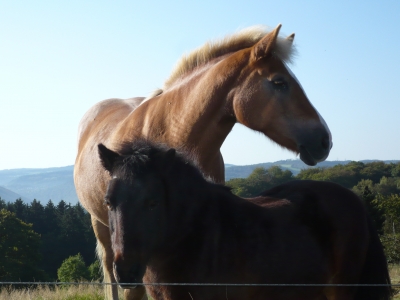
column 342, row 292
column 346, row 265
column 105, row 254
column 138, row 293
column 339, row 293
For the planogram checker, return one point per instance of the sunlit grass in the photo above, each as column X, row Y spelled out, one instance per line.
column 74, row 292
column 395, row 278
column 96, row 292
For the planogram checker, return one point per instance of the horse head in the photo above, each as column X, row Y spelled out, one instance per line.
column 268, row 98
column 142, row 204
column 135, row 199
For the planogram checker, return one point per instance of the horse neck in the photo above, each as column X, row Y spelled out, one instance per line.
column 196, row 114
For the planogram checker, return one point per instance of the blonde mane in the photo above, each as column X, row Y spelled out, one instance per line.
column 245, row 38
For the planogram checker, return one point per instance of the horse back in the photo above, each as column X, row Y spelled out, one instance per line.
column 328, row 200
column 338, row 219
column 104, row 115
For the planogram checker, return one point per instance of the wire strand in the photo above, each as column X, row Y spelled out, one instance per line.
column 202, row 284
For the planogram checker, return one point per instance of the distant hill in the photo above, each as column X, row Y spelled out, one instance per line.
column 294, row 165
column 8, row 195
column 57, row 183
column 41, row 184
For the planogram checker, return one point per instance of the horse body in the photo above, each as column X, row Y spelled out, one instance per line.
column 243, row 80
column 238, row 246
column 169, row 225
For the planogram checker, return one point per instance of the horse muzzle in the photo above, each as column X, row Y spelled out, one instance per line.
column 316, row 149
column 128, row 277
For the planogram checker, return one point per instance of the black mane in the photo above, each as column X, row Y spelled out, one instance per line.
column 138, row 156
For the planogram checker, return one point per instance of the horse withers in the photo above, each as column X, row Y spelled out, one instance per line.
column 169, row 225
column 243, row 78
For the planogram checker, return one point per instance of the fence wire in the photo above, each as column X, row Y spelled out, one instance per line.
column 205, row 284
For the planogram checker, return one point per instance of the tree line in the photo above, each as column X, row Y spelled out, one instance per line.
column 36, row 239
column 377, row 183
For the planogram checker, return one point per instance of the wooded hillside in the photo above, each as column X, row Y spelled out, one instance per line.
column 35, row 239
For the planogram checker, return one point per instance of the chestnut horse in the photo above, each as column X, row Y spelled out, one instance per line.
column 170, row 225
column 242, row 78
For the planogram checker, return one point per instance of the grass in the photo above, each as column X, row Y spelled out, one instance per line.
column 95, row 292
column 74, row 292
column 394, row 271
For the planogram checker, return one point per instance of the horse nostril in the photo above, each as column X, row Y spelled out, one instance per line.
column 325, row 143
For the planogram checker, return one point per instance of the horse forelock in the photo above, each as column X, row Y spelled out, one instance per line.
column 133, row 157
column 242, row 39
column 138, row 156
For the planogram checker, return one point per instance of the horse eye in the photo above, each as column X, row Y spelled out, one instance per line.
column 280, row 84
column 108, row 204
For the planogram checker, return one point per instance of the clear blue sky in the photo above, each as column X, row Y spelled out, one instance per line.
column 58, row 58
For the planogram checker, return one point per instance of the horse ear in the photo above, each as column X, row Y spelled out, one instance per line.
column 107, row 157
column 266, row 45
column 290, row 38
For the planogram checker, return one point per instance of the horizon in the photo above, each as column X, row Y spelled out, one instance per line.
column 56, row 183
column 62, row 58
column 267, row 162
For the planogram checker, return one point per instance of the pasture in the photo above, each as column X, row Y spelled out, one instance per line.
column 94, row 292
column 45, row 292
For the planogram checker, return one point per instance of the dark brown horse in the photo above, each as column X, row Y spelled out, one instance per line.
column 242, row 78
column 170, row 225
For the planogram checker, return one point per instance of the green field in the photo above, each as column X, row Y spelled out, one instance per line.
column 395, row 277
column 82, row 292
column 95, row 292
